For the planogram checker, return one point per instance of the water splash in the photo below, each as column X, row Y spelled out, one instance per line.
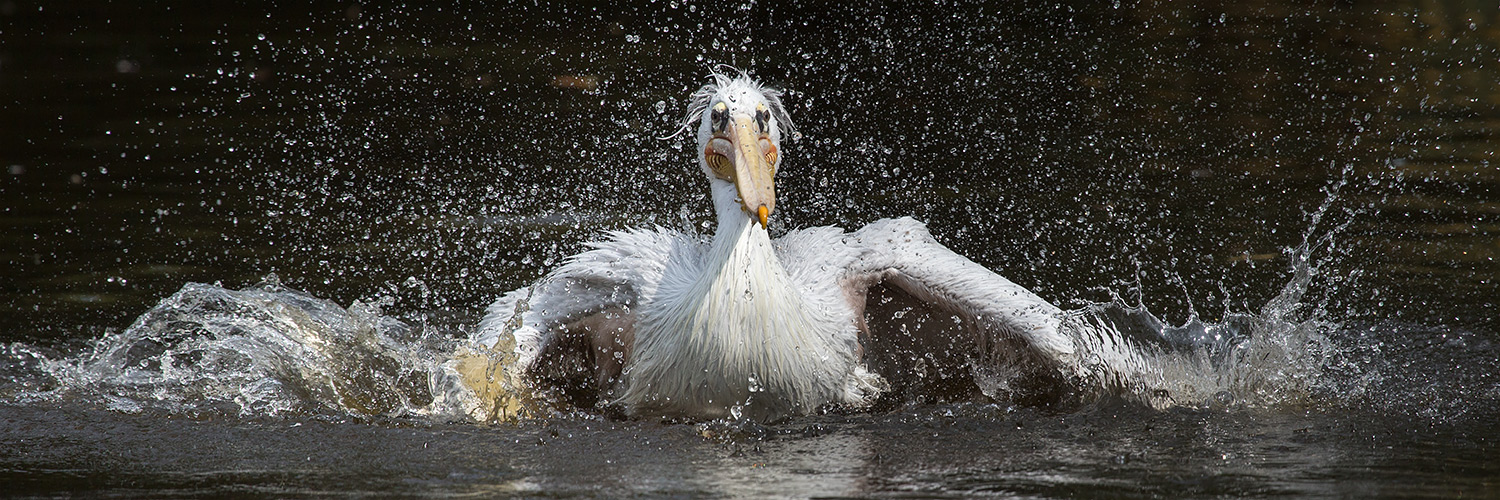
column 263, row 350
column 269, row 350
column 1271, row 357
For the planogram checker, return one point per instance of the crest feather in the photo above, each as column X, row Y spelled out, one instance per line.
column 700, row 100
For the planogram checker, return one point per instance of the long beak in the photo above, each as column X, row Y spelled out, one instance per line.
column 752, row 173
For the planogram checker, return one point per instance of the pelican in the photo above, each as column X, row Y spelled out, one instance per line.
column 656, row 322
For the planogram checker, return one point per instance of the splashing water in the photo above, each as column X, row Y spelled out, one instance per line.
column 269, row 350
column 263, row 350
column 1269, row 358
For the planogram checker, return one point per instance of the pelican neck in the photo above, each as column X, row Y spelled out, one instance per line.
column 734, row 224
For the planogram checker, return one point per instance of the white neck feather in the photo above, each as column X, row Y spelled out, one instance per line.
column 730, row 334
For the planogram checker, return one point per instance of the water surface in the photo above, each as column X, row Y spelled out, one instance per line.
column 421, row 160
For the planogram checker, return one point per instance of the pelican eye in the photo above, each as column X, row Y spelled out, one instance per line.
column 762, row 118
column 718, row 119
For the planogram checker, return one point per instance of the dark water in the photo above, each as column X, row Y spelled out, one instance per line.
column 421, row 160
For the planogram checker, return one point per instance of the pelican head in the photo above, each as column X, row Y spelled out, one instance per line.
column 740, row 125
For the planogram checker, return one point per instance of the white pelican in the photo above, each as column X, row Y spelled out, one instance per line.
column 658, row 322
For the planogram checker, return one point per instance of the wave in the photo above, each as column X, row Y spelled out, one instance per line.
column 263, row 350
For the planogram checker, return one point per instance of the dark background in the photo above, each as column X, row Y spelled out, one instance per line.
column 1170, row 153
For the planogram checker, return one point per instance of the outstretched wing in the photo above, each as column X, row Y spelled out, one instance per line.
column 1012, row 341
column 573, row 328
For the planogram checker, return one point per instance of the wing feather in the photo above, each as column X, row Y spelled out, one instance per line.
column 1018, row 335
column 584, row 304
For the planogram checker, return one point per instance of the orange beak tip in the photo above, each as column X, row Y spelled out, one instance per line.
column 763, row 212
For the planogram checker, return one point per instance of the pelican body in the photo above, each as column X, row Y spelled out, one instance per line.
column 657, row 322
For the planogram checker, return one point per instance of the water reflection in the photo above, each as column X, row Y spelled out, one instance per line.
column 820, row 462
